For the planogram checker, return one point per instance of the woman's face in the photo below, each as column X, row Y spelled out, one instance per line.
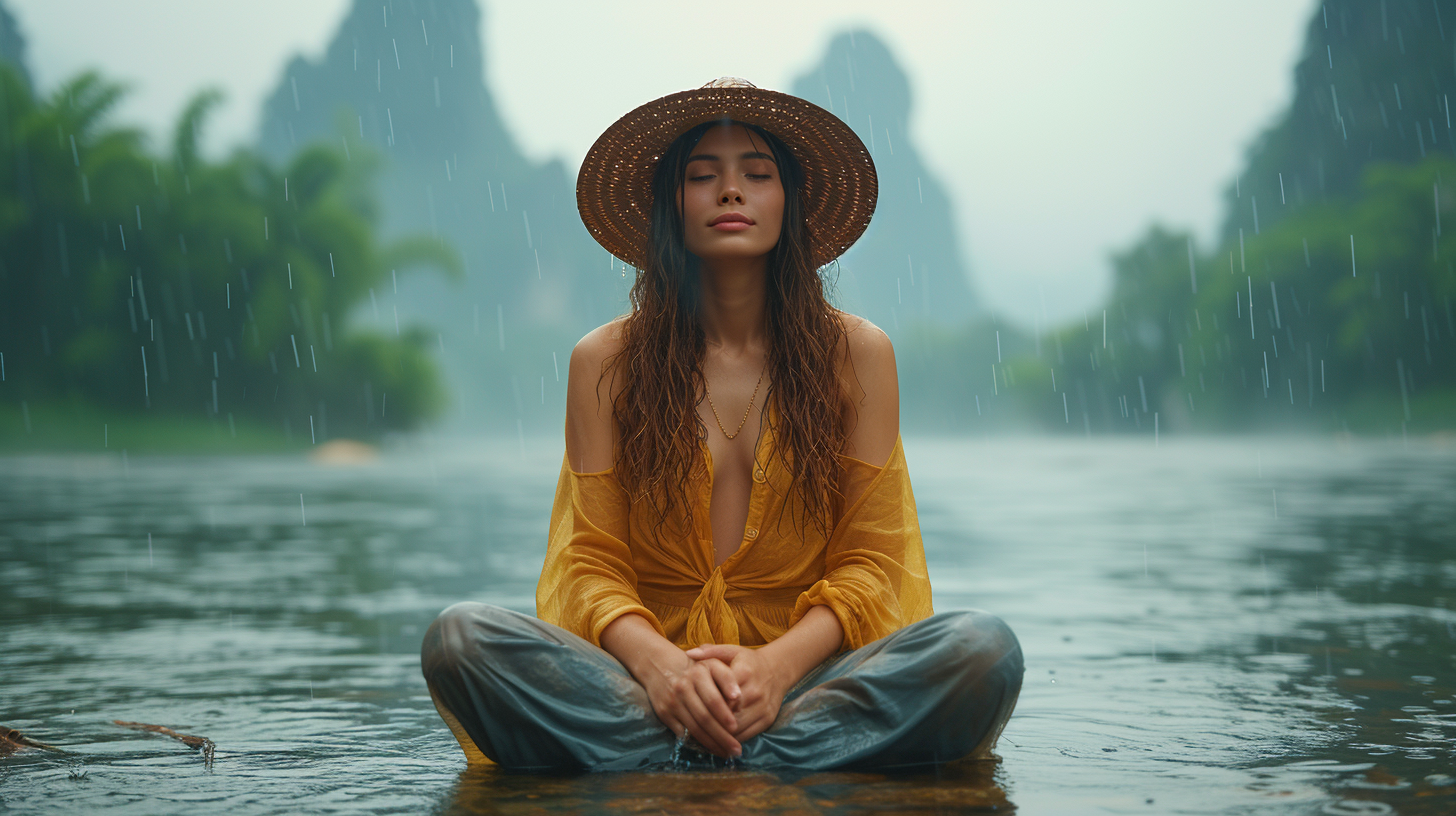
column 732, row 200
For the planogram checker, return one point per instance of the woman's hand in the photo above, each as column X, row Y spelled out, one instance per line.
column 697, row 695
column 687, row 695
column 720, row 694
column 764, row 675
column 760, row 683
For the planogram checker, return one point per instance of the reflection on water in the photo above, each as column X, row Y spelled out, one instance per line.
column 968, row 786
column 1209, row 626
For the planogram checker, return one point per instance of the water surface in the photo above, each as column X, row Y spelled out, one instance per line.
column 1210, row 626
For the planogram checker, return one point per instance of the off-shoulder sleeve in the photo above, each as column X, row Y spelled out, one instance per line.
column 588, row 580
column 875, row 580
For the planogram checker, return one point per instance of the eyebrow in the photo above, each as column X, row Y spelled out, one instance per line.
column 748, row 155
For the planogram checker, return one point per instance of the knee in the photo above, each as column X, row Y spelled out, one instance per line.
column 983, row 642
column 454, row 637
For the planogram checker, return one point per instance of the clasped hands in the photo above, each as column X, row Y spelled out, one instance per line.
column 720, row 694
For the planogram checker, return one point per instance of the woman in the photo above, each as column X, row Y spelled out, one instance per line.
column 763, row 589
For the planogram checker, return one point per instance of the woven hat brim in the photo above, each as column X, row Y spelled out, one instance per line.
column 614, row 185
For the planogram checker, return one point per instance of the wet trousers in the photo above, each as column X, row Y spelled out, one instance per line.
column 533, row 697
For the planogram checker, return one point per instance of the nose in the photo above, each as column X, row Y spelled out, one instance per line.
column 730, row 194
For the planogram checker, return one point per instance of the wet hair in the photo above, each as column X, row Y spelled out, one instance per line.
column 663, row 346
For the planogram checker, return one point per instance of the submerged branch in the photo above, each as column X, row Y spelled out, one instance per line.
column 203, row 743
column 12, row 741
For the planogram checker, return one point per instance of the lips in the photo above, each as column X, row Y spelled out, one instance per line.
column 731, row 217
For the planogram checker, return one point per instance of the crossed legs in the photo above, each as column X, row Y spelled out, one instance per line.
column 532, row 696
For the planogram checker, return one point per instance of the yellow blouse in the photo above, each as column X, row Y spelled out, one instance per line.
column 602, row 561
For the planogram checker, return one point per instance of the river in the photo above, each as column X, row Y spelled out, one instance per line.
column 1220, row 625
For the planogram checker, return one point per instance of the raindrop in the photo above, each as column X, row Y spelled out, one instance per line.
column 1251, row 308
column 1192, row 272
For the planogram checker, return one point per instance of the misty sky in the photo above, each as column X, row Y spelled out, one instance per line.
column 1061, row 128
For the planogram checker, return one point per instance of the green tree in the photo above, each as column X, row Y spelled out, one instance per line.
column 174, row 284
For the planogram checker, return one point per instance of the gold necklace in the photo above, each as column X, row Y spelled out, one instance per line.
column 745, row 411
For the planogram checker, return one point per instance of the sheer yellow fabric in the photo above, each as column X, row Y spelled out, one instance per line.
column 603, row 561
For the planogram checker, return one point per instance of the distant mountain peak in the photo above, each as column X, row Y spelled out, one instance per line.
column 908, row 266
column 13, row 46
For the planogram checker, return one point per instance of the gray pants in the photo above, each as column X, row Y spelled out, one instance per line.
column 532, row 696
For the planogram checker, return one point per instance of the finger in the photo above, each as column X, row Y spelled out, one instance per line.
column 699, row 735
column 687, row 714
column 709, row 731
column 712, row 650
column 712, row 697
column 683, row 725
column 753, row 729
column 727, row 683
column 673, row 715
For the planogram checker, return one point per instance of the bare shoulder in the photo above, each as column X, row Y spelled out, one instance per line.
column 866, row 356
column 871, row 413
column 600, row 343
column 590, row 432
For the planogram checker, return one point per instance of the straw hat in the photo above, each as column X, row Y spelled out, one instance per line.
column 614, row 187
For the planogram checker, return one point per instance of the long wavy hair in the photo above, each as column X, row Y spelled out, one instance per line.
column 663, row 346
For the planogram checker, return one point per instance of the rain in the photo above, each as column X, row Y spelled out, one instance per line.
column 1222, row 523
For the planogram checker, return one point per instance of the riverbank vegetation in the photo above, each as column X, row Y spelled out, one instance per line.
column 196, row 293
